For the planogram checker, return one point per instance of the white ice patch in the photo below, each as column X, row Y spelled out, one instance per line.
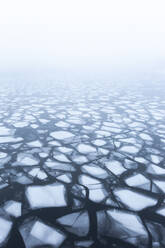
column 5, row 131
column 129, row 140
column 96, row 191
column 42, row 175
column 75, row 121
column 44, row 121
column 99, row 142
column 97, row 195
column 13, row 208
column 43, row 154
column 77, row 223
column 64, row 178
column 21, row 124
column 26, row 159
column 103, row 133
column 5, row 227
column 111, row 129
column 156, row 159
column 62, row 124
column 95, row 171
column 136, row 180
column 128, row 220
column 85, row 149
column 129, row 149
column 9, row 139
column 89, row 181
column 36, row 143
column 160, row 184
column 80, row 159
column 161, row 211
column 103, row 151
column 54, row 143
column 34, row 126
column 62, row 158
column 158, row 170
column 141, row 160
column 3, row 155
column 89, row 128
column 34, row 172
column 62, row 135
column 52, row 195
column 145, row 136
column 134, row 200
column 59, row 166
column 65, row 149
column 115, row 167
column 47, row 234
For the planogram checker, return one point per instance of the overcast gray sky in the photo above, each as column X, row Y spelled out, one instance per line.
column 75, row 34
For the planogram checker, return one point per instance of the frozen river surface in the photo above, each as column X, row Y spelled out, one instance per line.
column 82, row 166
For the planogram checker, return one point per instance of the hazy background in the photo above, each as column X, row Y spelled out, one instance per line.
column 82, row 38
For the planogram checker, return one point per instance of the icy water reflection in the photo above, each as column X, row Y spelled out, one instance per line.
column 82, row 166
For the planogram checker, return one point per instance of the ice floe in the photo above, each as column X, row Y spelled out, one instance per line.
column 52, row 195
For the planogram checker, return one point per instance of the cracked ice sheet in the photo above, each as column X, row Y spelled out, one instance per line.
column 110, row 142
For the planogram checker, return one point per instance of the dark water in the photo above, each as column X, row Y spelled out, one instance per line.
column 82, row 165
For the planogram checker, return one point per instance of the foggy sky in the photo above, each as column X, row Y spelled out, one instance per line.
column 76, row 35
